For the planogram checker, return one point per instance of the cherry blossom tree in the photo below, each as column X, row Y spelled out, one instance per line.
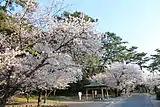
column 42, row 57
column 152, row 80
column 60, row 71
column 120, row 76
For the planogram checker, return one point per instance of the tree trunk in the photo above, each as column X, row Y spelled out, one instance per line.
column 149, row 90
column 5, row 98
column 54, row 92
column 107, row 93
column 125, row 90
column 6, row 91
column 117, row 93
column 45, row 96
column 39, row 98
column 27, row 97
column 146, row 90
column 155, row 89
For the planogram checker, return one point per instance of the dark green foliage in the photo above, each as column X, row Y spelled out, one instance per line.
column 158, row 94
column 6, row 23
column 78, row 14
column 116, row 50
column 141, row 59
column 91, row 64
column 155, row 61
column 76, row 87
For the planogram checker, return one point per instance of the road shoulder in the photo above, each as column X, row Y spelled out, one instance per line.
column 156, row 103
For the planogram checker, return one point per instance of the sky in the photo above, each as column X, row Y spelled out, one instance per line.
column 136, row 21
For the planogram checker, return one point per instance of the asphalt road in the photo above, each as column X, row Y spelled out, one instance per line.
column 134, row 101
column 94, row 104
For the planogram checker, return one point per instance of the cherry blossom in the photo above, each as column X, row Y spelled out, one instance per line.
column 120, row 76
column 44, row 58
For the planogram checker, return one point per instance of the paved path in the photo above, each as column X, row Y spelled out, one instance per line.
column 94, row 104
column 134, row 101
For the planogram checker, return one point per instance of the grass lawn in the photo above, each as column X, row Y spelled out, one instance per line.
column 51, row 100
column 22, row 99
column 33, row 99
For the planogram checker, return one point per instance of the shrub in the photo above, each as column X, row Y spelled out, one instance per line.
column 158, row 94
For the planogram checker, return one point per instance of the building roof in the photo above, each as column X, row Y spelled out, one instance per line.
column 95, row 84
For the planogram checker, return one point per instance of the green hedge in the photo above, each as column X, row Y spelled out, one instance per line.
column 158, row 94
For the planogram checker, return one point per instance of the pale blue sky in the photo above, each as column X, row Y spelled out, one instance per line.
column 136, row 21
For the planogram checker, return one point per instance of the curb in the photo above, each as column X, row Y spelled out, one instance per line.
column 149, row 98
